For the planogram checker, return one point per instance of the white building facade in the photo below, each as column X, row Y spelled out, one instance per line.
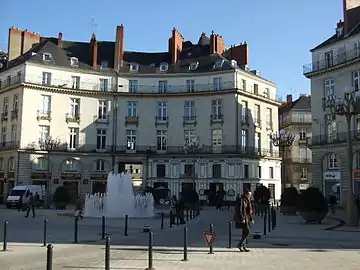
column 101, row 115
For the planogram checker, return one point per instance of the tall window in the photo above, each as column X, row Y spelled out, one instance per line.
column 217, row 139
column 268, row 118
column 257, row 143
column 73, row 138
column 257, row 114
column 244, row 111
column 75, row 81
column 244, row 138
column 102, row 109
column 162, row 110
column 329, row 88
column 46, row 78
column 356, row 80
column 189, row 111
column 270, row 145
column 101, row 139
column 216, row 170
column 45, row 104
column 217, row 83
column 190, row 86
column 246, row 171
column 3, row 134
column 14, row 133
column 103, row 84
column 100, row 165
column 329, row 59
column 243, row 84
column 259, row 171
column 271, row 172
column 256, row 89
column 357, row 48
column 303, row 174
column 130, row 140
column 271, row 188
column 44, row 133
column 332, row 161
column 331, row 127
column 15, row 102
column 74, row 107
column 6, row 105
column 131, row 109
column 216, row 108
column 189, row 135
column 302, row 154
column 133, row 86
column 302, row 135
column 163, row 86
column 267, row 93
column 161, row 136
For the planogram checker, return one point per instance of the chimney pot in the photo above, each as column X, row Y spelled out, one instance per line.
column 60, row 40
column 119, row 47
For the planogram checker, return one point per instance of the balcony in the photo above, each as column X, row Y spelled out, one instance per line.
column 336, row 138
column 4, row 116
column 101, row 119
column 12, row 145
column 72, row 118
column 131, row 120
column 343, row 59
column 217, row 118
column 189, row 120
column 297, row 119
column 161, row 121
column 14, row 114
column 307, row 160
column 43, row 115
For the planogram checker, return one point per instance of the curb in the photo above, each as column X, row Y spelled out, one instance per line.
column 341, row 223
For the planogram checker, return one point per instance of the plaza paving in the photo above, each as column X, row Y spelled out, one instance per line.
column 293, row 245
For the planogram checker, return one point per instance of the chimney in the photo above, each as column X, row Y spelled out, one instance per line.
column 351, row 10
column 94, row 50
column 59, row 43
column 175, row 45
column 14, row 43
column 119, row 47
column 217, row 44
column 239, row 53
column 289, row 99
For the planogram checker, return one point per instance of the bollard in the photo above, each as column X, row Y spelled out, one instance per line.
column 49, row 257
column 150, row 254
column 211, row 230
column 107, row 253
column 45, row 232
column 264, row 224
column 76, row 230
column 187, row 214
column 185, row 244
column 171, row 219
column 126, row 225
column 230, row 234
column 5, row 236
column 273, row 218
column 103, row 228
column 269, row 218
column 162, row 221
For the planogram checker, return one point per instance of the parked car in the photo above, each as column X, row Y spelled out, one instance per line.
column 19, row 191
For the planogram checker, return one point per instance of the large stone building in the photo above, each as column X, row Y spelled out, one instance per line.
column 295, row 117
column 102, row 105
column 335, row 66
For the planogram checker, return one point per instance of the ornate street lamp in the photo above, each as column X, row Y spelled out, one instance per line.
column 348, row 106
column 284, row 139
column 193, row 146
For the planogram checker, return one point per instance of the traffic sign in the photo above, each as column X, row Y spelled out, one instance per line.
column 209, row 238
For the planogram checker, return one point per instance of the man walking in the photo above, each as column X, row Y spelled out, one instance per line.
column 31, row 205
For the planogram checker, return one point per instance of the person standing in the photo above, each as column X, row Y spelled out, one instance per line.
column 244, row 219
column 31, row 205
column 173, row 208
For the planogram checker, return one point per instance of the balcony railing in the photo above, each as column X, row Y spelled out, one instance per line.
column 131, row 120
column 217, row 118
column 296, row 120
column 340, row 137
column 189, row 120
column 334, row 61
column 12, row 145
column 101, row 119
column 43, row 115
column 72, row 118
column 307, row 160
column 161, row 120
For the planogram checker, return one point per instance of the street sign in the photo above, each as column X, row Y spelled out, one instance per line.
column 209, row 238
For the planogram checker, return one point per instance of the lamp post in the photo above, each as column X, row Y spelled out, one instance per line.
column 348, row 106
column 283, row 140
column 193, row 146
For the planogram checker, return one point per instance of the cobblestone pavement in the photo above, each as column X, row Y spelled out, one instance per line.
column 293, row 245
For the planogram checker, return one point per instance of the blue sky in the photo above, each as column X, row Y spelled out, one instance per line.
column 279, row 33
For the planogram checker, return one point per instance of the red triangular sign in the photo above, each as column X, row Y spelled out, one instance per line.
column 209, row 238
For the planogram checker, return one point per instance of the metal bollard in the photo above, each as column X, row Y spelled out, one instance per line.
column 5, row 236
column 185, row 244
column 187, row 214
column 171, row 219
column 264, row 223
column 107, row 253
column 49, row 257
column 126, row 225
column 76, row 230
column 162, row 221
column 150, row 251
column 103, row 228
column 230, row 234
column 269, row 218
column 211, row 230
column 273, row 218
column 45, row 233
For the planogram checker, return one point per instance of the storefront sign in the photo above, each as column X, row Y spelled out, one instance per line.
column 71, row 176
column 332, row 175
column 101, row 177
column 40, row 175
column 356, row 175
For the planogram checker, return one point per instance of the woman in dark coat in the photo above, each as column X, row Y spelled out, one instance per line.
column 244, row 218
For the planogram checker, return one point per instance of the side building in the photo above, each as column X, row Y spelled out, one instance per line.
column 71, row 111
column 335, row 66
column 295, row 117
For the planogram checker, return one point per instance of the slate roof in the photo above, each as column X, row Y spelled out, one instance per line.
column 335, row 38
column 303, row 103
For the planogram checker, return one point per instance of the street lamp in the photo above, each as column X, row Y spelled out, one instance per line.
column 193, row 146
column 348, row 106
column 283, row 140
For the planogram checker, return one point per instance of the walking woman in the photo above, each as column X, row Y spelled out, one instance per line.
column 244, row 218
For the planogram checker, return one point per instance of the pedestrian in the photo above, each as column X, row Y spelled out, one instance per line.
column 244, row 219
column 333, row 203
column 31, row 205
column 173, row 207
column 37, row 199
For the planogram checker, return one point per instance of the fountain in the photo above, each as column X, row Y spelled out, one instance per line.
column 119, row 200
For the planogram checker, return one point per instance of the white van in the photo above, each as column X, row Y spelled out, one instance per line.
column 18, row 192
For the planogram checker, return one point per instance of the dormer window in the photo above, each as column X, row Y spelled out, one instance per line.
column 104, row 64
column 46, row 56
column 194, row 66
column 74, row 61
column 234, row 63
column 134, row 67
column 164, row 67
column 218, row 64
